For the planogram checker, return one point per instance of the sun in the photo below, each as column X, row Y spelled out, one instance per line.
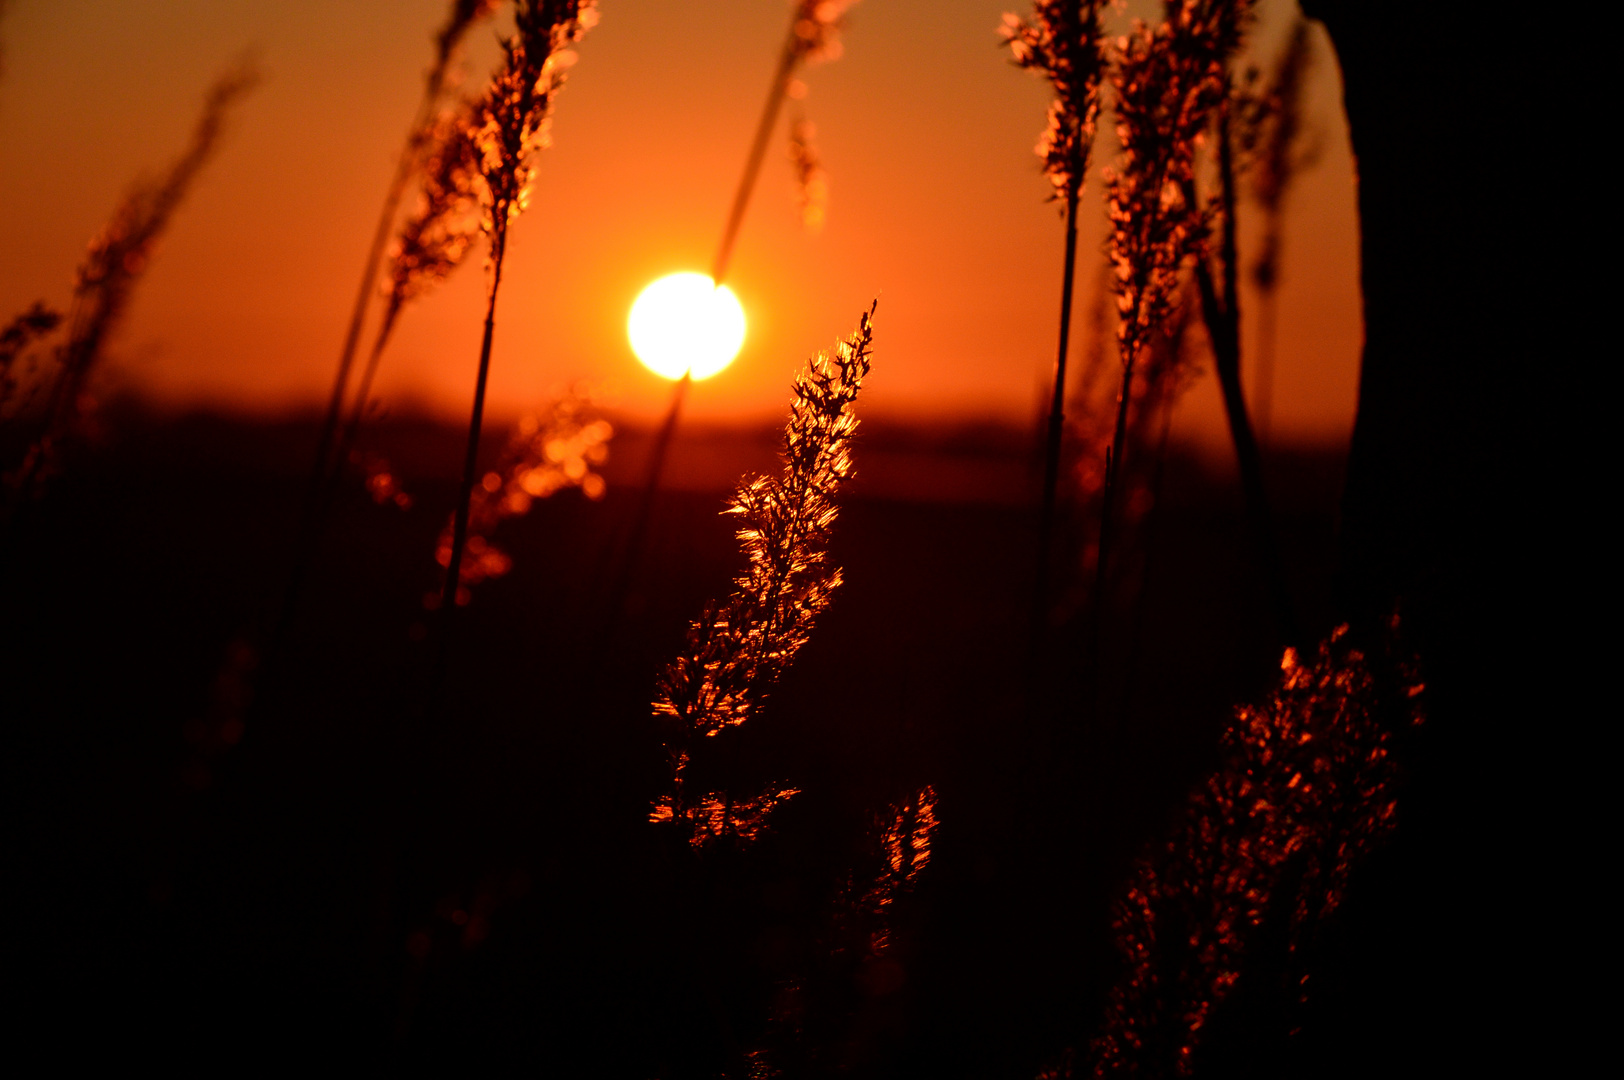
column 684, row 323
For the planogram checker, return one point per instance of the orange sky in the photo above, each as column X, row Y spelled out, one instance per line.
column 936, row 207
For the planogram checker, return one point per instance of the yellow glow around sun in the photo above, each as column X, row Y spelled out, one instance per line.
column 684, row 323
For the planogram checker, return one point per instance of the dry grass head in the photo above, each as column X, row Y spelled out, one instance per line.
column 1167, row 79
column 1307, row 790
column 1063, row 42
column 436, row 237
column 514, row 117
column 737, row 652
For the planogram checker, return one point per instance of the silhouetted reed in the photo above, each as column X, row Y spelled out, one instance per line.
column 431, row 244
column 1169, row 367
column 1219, row 29
column 1307, row 789
column 513, row 122
column 1276, row 136
column 545, row 455
column 830, row 1010
column 1167, row 79
column 461, row 17
column 1063, row 42
column 107, row 277
column 737, row 652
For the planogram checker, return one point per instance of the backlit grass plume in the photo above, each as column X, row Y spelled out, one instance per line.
column 1307, row 789
column 1167, row 79
column 735, row 653
column 513, row 121
column 559, row 449
column 108, row 275
column 1063, row 42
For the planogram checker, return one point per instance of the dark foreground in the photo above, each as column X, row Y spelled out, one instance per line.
column 215, row 849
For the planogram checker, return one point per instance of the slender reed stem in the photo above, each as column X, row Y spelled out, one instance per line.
column 363, row 393
column 1222, row 316
column 459, row 535
column 758, row 151
column 1113, row 469
column 1263, row 382
column 1057, row 413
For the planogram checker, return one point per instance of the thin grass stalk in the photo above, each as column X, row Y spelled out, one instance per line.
column 470, row 470
column 464, row 13
column 1277, row 166
column 1063, row 43
column 1168, row 80
column 1222, row 316
column 1057, row 419
column 515, row 113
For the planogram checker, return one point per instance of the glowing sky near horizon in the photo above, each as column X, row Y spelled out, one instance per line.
column 936, row 207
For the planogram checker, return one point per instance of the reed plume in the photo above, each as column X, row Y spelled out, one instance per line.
column 736, row 653
column 1220, row 301
column 1063, row 43
column 1307, row 789
column 107, row 277
column 1167, row 81
column 514, row 121
column 545, row 455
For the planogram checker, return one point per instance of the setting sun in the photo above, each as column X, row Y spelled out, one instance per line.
column 685, row 323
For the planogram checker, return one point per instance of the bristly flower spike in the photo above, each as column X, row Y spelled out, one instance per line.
column 736, row 653
column 1167, row 79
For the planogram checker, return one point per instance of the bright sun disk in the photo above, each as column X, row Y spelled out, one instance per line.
column 685, row 323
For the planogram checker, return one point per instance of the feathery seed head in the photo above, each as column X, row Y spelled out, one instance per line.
column 1063, row 42
column 515, row 115
column 1168, row 80
column 737, row 652
column 434, row 240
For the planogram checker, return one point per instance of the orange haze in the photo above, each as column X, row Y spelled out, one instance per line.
column 936, row 206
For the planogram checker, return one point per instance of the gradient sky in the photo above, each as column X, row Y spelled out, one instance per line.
column 936, row 207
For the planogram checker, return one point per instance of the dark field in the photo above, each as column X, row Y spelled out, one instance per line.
column 216, row 846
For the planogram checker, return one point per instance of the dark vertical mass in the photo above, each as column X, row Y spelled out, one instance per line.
column 1434, row 97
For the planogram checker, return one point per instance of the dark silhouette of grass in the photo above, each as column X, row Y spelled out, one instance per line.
column 104, row 283
column 512, row 119
column 1063, row 42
